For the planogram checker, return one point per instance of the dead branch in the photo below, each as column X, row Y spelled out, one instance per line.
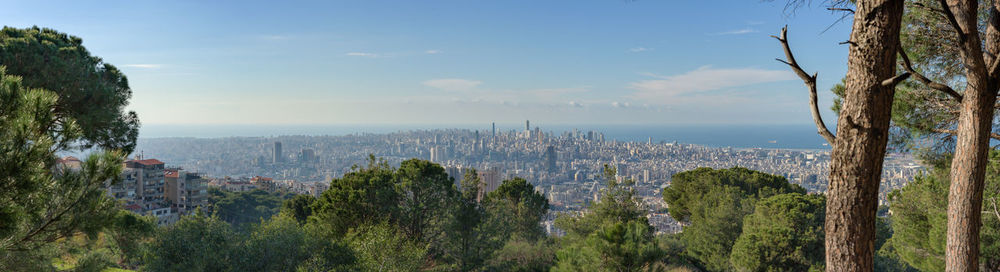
column 841, row 9
column 810, row 82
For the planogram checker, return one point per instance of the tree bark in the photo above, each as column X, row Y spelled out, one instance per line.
column 975, row 122
column 862, row 133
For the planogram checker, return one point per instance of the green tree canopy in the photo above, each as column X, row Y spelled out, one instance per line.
column 195, row 243
column 919, row 219
column 784, row 233
column 242, row 208
column 362, row 196
column 715, row 202
column 519, row 208
column 426, row 193
column 468, row 240
column 688, row 187
column 382, row 247
column 299, row 207
column 90, row 91
column 41, row 200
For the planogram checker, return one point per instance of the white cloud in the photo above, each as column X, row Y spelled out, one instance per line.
column 575, row 104
column 639, row 49
column 144, row 66
column 452, row 84
column 617, row 104
column 737, row 31
column 362, row 54
column 433, row 52
column 703, row 79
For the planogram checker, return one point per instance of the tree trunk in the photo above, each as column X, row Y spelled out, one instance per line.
column 975, row 122
column 862, row 132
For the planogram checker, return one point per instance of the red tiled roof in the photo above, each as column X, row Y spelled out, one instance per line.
column 133, row 207
column 171, row 173
column 148, row 162
column 261, row 178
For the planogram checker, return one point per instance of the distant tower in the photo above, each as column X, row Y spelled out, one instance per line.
column 550, row 159
column 277, row 152
column 489, row 181
column 527, row 125
column 307, row 156
column 494, row 129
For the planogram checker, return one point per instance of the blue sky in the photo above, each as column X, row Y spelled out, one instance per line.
column 455, row 62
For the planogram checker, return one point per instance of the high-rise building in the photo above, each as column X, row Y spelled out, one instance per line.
column 307, row 156
column 277, row 153
column 527, row 125
column 434, row 154
column 490, row 180
column 550, row 159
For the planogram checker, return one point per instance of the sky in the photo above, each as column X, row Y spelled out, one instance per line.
column 435, row 62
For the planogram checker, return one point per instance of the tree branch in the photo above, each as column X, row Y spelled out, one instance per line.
column 891, row 82
column 996, row 212
column 810, row 82
column 951, row 19
column 926, row 81
column 993, row 135
column 841, row 9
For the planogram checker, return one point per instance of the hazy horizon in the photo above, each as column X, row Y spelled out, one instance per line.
column 787, row 136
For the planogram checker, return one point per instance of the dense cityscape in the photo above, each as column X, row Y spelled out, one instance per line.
column 566, row 167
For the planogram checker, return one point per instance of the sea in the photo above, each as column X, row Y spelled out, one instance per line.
column 783, row 136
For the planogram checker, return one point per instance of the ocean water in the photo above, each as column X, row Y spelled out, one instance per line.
column 737, row 136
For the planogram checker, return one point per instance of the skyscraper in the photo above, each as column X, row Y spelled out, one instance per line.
column 277, row 153
column 550, row 159
column 527, row 125
column 489, row 180
column 307, row 156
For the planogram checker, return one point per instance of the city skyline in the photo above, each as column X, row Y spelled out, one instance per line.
column 623, row 62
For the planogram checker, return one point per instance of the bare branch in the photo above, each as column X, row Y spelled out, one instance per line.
column 951, row 19
column 810, row 82
column 993, row 200
column 993, row 135
column 926, row 81
column 841, row 9
column 891, row 82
